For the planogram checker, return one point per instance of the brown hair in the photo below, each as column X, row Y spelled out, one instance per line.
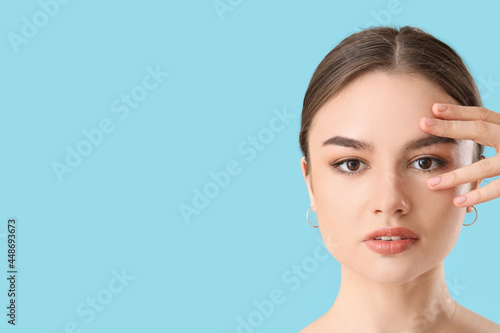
column 408, row 50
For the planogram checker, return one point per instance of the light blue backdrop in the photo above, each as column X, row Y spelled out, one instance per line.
column 96, row 178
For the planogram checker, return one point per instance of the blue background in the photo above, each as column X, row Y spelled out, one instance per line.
column 119, row 209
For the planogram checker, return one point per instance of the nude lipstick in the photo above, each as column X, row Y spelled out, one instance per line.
column 390, row 240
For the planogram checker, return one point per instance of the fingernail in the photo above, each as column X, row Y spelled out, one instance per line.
column 460, row 200
column 442, row 107
column 434, row 181
column 430, row 122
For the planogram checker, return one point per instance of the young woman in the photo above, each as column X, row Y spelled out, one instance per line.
column 392, row 138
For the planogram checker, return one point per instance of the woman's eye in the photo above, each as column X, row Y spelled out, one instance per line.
column 354, row 166
column 348, row 167
column 428, row 164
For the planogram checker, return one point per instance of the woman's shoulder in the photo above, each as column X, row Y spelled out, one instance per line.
column 318, row 325
column 464, row 321
column 311, row 328
column 469, row 321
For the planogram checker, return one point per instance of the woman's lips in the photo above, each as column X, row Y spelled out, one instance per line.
column 390, row 240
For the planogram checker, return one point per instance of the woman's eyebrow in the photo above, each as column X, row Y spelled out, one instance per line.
column 428, row 141
column 369, row 147
column 349, row 143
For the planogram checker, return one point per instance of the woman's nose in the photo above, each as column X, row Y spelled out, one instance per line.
column 391, row 194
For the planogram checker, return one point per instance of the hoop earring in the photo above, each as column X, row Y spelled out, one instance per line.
column 474, row 219
column 307, row 217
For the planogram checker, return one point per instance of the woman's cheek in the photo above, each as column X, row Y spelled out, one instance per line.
column 336, row 220
column 442, row 196
column 331, row 240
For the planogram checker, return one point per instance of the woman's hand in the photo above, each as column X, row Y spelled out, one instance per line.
column 469, row 123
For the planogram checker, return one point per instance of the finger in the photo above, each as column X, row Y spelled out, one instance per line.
column 486, row 168
column 460, row 112
column 480, row 131
column 480, row 195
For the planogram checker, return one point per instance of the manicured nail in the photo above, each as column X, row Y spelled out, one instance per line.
column 460, row 200
column 430, row 122
column 442, row 107
column 434, row 181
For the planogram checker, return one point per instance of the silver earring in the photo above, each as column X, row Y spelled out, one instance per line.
column 474, row 219
column 307, row 217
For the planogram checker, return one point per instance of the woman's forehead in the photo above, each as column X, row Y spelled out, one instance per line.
column 380, row 104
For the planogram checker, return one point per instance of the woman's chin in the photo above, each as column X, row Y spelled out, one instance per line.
column 389, row 272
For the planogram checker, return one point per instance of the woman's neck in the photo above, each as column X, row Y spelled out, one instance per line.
column 421, row 305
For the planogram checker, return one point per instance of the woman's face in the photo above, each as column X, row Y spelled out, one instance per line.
column 371, row 176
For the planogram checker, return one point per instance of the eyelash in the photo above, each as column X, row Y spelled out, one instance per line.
column 440, row 163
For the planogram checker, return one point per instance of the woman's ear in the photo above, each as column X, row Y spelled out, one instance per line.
column 475, row 185
column 307, row 178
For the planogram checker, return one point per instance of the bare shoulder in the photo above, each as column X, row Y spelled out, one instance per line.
column 464, row 321
column 311, row 328
column 469, row 321
column 318, row 325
